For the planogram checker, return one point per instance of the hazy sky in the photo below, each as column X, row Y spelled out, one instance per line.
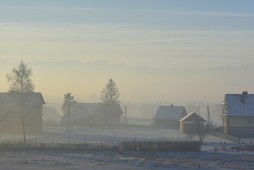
column 159, row 39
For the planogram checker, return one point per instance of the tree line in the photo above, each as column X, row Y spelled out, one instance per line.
column 20, row 81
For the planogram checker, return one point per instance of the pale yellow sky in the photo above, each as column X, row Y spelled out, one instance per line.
column 136, row 84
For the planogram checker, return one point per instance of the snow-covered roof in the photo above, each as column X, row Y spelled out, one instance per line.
column 170, row 112
column 192, row 117
column 239, row 104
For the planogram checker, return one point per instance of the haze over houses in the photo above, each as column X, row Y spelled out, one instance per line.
column 94, row 114
column 21, row 110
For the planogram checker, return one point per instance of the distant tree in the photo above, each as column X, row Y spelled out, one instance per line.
column 20, row 82
column 110, row 93
column 68, row 100
column 110, row 103
column 66, row 109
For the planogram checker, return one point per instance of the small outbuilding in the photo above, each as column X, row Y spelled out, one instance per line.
column 169, row 116
column 191, row 122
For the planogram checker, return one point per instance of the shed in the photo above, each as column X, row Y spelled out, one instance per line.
column 190, row 122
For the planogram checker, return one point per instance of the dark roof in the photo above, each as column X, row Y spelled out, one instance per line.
column 170, row 112
column 82, row 110
column 239, row 104
column 108, row 108
column 34, row 97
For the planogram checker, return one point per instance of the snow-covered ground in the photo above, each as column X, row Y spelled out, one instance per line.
column 208, row 158
column 113, row 134
column 74, row 160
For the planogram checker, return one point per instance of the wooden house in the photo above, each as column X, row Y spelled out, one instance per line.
column 238, row 115
column 191, row 122
column 169, row 116
column 11, row 112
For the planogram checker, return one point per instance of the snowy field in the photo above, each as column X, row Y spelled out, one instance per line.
column 38, row 159
column 114, row 134
column 61, row 160
column 110, row 134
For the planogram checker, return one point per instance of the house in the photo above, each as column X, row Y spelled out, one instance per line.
column 191, row 122
column 169, row 116
column 93, row 113
column 238, row 115
column 109, row 114
column 11, row 112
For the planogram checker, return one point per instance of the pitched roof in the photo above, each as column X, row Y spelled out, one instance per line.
column 170, row 112
column 192, row 117
column 34, row 97
column 239, row 104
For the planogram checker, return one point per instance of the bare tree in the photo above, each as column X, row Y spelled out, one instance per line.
column 199, row 129
column 20, row 82
column 202, row 131
column 110, row 93
column 20, row 79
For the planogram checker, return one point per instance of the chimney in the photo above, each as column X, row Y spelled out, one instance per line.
column 244, row 96
column 245, row 93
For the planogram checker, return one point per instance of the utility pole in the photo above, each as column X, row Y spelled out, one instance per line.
column 125, row 115
column 22, row 110
column 23, row 117
column 69, row 101
column 69, row 123
column 209, row 117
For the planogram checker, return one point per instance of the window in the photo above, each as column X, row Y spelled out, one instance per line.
column 249, row 121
